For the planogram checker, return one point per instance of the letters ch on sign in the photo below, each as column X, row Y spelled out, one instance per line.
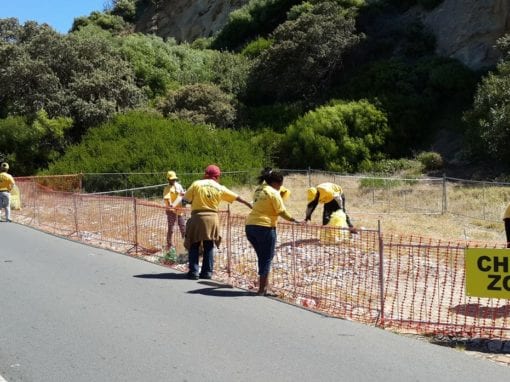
column 487, row 272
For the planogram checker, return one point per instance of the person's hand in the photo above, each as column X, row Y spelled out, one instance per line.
column 295, row 221
column 353, row 230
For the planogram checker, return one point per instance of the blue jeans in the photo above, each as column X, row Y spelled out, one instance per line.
column 207, row 261
column 263, row 240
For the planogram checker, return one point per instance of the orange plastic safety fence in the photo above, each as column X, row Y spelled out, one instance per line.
column 404, row 283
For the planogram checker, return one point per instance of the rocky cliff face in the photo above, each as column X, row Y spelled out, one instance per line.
column 186, row 20
column 468, row 29
column 465, row 29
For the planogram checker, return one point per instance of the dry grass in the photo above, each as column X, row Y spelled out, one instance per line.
column 473, row 212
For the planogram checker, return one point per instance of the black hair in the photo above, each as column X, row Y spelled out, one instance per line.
column 270, row 176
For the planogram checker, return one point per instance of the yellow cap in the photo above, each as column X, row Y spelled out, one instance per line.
column 171, row 175
column 311, row 193
column 5, row 166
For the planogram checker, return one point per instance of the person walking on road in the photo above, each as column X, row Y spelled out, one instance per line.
column 172, row 196
column 333, row 198
column 203, row 227
column 262, row 220
column 6, row 185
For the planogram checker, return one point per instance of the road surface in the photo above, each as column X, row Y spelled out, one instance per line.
column 70, row 312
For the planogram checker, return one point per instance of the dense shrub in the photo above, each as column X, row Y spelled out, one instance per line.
column 256, row 47
column 400, row 166
column 30, row 144
column 257, row 18
column 343, row 136
column 419, row 98
column 141, row 142
column 163, row 65
column 430, row 160
column 106, row 21
column 201, row 104
column 305, row 54
column 276, row 116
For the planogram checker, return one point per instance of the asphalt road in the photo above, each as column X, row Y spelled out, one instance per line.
column 69, row 312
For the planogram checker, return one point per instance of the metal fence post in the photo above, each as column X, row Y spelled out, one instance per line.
column 229, row 242
column 294, row 265
column 75, row 214
column 444, row 200
column 381, row 273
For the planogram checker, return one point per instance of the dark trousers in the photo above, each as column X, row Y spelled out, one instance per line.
column 207, row 261
column 507, row 231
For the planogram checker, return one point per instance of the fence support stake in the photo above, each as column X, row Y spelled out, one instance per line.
column 381, row 273
column 75, row 215
column 136, row 224
column 444, row 204
column 229, row 242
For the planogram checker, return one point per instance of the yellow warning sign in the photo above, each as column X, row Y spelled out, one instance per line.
column 487, row 272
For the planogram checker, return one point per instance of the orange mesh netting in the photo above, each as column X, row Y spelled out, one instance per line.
column 406, row 283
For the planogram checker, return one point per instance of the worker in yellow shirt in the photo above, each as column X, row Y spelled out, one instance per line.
column 261, row 223
column 6, row 185
column 332, row 196
column 205, row 196
column 506, row 219
column 172, row 197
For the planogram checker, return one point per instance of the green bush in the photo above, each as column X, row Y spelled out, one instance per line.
column 343, row 136
column 257, row 18
column 201, row 104
column 430, row 160
column 30, row 144
column 304, row 56
column 396, row 167
column 139, row 142
column 275, row 116
column 254, row 48
column 419, row 98
column 489, row 119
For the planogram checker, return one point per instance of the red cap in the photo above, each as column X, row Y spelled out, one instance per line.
column 212, row 171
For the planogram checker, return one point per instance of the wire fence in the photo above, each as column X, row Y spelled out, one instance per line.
column 406, row 283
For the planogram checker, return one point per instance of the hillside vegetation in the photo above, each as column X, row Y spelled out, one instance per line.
column 285, row 83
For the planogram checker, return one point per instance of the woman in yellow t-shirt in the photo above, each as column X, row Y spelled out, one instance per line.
column 261, row 223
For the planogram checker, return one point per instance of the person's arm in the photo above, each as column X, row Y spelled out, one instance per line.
column 245, row 202
column 311, row 207
column 177, row 201
column 340, row 200
column 285, row 215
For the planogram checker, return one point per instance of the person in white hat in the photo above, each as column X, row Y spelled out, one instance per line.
column 172, row 196
column 6, row 185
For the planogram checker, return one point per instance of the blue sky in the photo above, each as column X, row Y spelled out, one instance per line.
column 57, row 13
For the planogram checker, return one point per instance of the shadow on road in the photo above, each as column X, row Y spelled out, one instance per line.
column 220, row 290
column 165, row 276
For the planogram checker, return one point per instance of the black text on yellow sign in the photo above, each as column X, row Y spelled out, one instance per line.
column 487, row 272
